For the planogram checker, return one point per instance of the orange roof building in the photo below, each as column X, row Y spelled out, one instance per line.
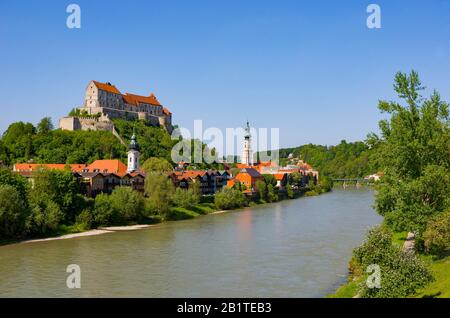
column 105, row 99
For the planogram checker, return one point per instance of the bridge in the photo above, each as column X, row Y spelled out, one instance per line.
column 358, row 181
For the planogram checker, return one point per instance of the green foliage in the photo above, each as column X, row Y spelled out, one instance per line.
column 295, row 178
column 227, row 199
column 85, row 219
column 15, row 180
column 13, row 212
column 437, row 235
column 159, row 190
column 128, row 205
column 326, row 183
column 345, row 160
column 45, row 125
column 261, row 187
column 402, row 272
column 272, row 195
column 185, row 198
column 45, row 216
column 103, row 213
column 154, row 164
column 270, row 179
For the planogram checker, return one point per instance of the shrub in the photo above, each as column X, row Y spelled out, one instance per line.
column 103, row 211
column 402, row 273
column 437, row 235
column 227, row 199
column 12, row 212
column 45, row 216
column 185, row 198
column 127, row 204
column 85, row 219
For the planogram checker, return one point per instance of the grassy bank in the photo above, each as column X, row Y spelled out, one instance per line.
column 438, row 288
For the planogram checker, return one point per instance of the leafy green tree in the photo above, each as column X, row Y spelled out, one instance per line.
column 103, row 213
column 413, row 153
column 127, row 203
column 154, row 164
column 45, row 217
column 15, row 180
column 159, row 190
column 289, row 191
column 13, row 212
column 295, row 178
column 270, row 179
column 45, row 125
column 437, row 235
column 227, row 199
column 261, row 187
column 185, row 198
column 272, row 195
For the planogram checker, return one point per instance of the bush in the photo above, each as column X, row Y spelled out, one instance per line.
column 12, row 212
column 227, row 199
column 45, row 216
column 127, row 204
column 85, row 219
column 185, row 198
column 437, row 235
column 402, row 273
column 159, row 189
column 103, row 213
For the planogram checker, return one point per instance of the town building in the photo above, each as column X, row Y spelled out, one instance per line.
column 210, row 181
column 103, row 101
column 101, row 176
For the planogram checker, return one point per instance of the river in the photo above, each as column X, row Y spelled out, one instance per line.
column 295, row 248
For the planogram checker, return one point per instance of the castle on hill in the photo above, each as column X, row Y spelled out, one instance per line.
column 103, row 101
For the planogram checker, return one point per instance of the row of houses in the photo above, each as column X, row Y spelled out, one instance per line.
column 102, row 176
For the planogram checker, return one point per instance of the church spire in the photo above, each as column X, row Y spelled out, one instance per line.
column 133, row 154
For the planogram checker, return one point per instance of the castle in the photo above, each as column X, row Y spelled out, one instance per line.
column 103, row 101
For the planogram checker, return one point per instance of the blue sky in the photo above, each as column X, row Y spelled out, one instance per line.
column 311, row 68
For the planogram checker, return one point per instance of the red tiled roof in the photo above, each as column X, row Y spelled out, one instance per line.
column 107, row 87
column 28, row 167
column 279, row 176
column 133, row 99
column 108, row 166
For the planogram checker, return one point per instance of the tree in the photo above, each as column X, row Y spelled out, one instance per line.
column 45, row 125
column 45, row 216
column 413, row 153
column 272, row 196
column 154, row 164
column 185, row 198
column 13, row 212
column 270, row 179
column 103, row 213
column 261, row 187
column 127, row 203
column 159, row 190
column 227, row 199
column 437, row 235
column 295, row 178
column 16, row 181
column 289, row 191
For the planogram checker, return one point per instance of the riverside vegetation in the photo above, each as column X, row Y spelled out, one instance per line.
column 413, row 196
column 54, row 206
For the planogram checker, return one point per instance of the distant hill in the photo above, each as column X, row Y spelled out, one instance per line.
column 345, row 160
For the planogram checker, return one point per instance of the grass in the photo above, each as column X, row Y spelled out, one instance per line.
column 349, row 290
column 440, row 288
column 180, row 213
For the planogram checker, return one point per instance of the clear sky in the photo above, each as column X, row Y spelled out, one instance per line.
column 311, row 68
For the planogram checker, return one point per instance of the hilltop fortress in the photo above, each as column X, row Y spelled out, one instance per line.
column 103, row 101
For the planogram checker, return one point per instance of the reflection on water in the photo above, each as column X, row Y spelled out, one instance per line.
column 297, row 248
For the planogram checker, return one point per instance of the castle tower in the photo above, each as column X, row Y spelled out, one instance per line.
column 133, row 155
column 247, row 155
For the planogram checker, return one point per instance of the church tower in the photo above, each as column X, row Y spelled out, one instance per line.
column 247, row 155
column 133, row 155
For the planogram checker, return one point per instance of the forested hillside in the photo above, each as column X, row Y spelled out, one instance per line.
column 345, row 160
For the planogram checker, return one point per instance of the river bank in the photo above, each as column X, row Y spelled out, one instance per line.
column 178, row 214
